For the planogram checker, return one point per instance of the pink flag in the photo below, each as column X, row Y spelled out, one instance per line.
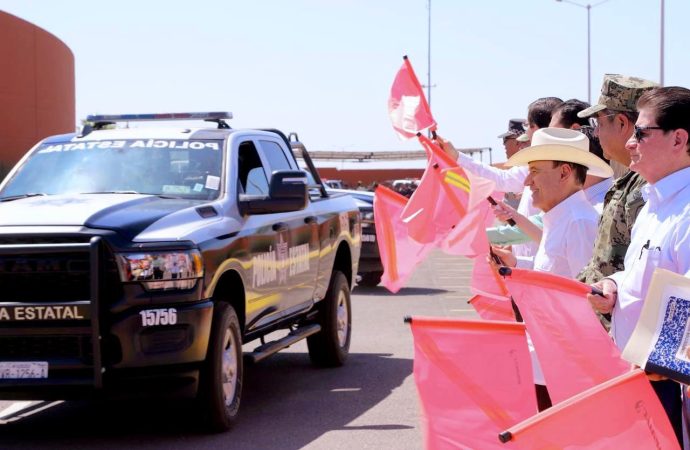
column 474, row 380
column 491, row 299
column 486, row 281
column 468, row 237
column 574, row 350
column 490, row 308
column 436, row 206
column 407, row 105
column 622, row 413
column 399, row 254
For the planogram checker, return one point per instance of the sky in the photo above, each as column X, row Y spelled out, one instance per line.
column 324, row 68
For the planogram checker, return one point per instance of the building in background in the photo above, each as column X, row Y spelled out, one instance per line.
column 37, row 96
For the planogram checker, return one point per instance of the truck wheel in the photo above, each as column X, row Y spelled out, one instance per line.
column 330, row 346
column 221, row 380
column 370, row 279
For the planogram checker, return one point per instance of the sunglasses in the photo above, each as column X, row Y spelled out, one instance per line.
column 594, row 121
column 639, row 132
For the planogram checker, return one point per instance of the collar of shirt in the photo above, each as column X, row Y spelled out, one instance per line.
column 564, row 208
column 665, row 189
column 596, row 192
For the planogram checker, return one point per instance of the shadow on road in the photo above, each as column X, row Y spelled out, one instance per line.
column 406, row 291
column 287, row 403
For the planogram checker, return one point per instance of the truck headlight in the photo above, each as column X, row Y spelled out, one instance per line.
column 161, row 270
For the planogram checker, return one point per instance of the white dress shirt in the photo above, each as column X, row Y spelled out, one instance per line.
column 567, row 241
column 660, row 238
column 566, row 246
column 506, row 180
column 596, row 193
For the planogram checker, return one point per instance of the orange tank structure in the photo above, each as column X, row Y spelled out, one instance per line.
column 37, row 95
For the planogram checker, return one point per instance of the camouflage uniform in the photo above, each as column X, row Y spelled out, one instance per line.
column 621, row 206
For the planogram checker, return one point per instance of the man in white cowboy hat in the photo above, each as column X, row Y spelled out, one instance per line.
column 511, row 179
column 558, row 161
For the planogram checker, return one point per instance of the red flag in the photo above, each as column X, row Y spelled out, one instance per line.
column 622, row 413
column 436, row 206
column 574, row 350
column 474, row 380
column 399, row 254
column 407, row 105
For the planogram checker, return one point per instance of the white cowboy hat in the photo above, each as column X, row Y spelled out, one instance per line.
column 561, row 144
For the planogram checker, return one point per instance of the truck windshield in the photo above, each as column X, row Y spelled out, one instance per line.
column 177, row 168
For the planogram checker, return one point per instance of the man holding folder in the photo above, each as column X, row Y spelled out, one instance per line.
column 660, row 152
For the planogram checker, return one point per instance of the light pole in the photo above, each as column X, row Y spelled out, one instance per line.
column 661, row 49
column 588, row 7
column 428, row 55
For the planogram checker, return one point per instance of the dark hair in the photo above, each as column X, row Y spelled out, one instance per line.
column 579, row 170
column 671, row 106
column 568, row 110
column 539, row 111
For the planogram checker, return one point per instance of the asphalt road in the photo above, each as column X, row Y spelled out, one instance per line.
column 370, row 403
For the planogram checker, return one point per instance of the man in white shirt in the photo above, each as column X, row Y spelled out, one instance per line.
column 558, row 161
column 660, row 152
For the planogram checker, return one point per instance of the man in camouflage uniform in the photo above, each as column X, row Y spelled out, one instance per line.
column 613, row 119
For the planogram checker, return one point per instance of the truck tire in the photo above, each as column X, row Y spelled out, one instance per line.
column 330, row 346
column 370, row 279
column 221, row 380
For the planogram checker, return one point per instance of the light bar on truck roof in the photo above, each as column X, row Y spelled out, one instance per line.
column 211, row 116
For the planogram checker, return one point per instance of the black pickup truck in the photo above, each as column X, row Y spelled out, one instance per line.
column 142, row 259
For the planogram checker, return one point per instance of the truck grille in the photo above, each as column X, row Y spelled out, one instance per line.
column 27, row 348
column 44, row 278
column 56, row 269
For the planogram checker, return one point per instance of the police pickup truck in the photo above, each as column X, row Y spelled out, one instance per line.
column 142, row 259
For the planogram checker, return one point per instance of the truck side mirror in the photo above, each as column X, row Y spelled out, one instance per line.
column 287, row 192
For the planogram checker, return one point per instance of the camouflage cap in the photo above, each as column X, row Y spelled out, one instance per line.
column 619, row 93
column 515, row 128
column 523, row 138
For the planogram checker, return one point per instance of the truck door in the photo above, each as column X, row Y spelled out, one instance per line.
column 262, row 235
column 298, row 264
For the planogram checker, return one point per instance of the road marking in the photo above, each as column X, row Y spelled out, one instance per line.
column 20, row 410
column 14, row 407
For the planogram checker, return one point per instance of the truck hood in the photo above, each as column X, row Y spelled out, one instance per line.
column 128, row 214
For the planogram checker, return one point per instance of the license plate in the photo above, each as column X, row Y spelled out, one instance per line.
column 20, row 370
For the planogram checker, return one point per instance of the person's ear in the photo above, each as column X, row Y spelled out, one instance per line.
column 680, row 140
column 566, row 171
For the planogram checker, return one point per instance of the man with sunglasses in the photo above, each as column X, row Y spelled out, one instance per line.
column 659, row 151
column 613, row 119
